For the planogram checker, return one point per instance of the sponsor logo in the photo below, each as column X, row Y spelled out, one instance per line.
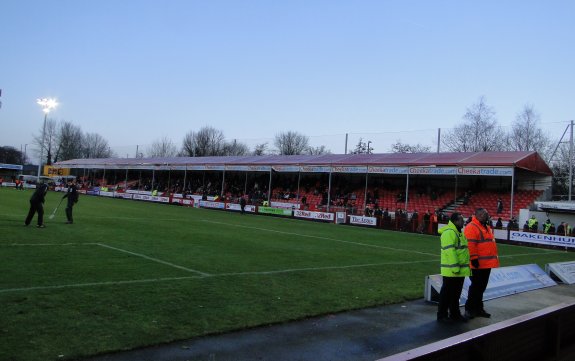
column 542, row 239
column 367, row 221
column 324, row 216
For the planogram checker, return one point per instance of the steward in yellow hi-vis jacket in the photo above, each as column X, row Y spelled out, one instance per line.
column 454, row 269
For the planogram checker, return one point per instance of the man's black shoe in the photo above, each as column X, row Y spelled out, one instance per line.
column 469, row 314
column 484, row 314
column 444, row 319
column 459, row 318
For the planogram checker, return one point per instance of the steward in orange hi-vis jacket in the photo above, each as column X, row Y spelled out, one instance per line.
column 483, row 257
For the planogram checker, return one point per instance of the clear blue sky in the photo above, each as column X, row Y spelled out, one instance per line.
column 134, row 71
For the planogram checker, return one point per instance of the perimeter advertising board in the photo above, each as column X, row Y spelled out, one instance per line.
column 363, row 221
column 274, row 211
column 565, row 271
column 214, row 205
column 321, row 216
column 142, row 197
column 237, row 207
column 546, row 239
column 504, row 281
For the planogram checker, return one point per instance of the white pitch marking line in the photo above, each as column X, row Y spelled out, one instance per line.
column 320, row 237
column 321, row 268
column 107, row 283
column 167, row 279
column 153, row 259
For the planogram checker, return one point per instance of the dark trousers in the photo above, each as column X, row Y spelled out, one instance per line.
column 69, row 211
column 479, row 279
column 449, row 296
column 35, row 207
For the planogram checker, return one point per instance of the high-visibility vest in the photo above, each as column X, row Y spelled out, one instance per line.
column 481, row 243
column 454, row 252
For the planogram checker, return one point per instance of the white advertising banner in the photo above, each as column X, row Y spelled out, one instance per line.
column 504, row 281
column 340, row 217
column 106, row 194
column 547, row 239
column 236, row 207
column 284, row 205
column 209, row 204
column 348, row 169
column 387, row 170
column 142, row 197
column 147, row 193
column 323, row 216
column 364, row 221
column 486, row 171
column 183, row 201
column 286, row 168
column 315, row 169
column 433, row 170
column 215, row 167
column 124, row 195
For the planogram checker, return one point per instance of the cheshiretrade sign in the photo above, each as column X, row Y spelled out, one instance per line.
column 494, row 172
column 548, row 239
column 348, row 169
column 387, row 170
column 433, row 170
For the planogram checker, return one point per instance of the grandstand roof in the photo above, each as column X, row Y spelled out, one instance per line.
column 529, row 161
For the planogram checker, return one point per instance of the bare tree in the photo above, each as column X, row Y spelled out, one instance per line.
column 235, row 148
column 49, row 144
column 400, row 147
column 163, row 147
column 360, row 147
column 291, row 143
column 69, row 142
column 208, row 141
column 95, row 146
column 11, row 155
column 478, row 133
column 318, row 150
column 525, row 133
column 260, row 149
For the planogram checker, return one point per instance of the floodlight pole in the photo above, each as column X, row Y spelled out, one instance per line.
column 571, row 161
column 47, row 105
column 42, row 146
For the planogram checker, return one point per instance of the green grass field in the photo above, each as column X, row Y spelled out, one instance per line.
column 129, row 274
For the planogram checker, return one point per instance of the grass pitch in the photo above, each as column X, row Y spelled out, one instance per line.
column 129, row 274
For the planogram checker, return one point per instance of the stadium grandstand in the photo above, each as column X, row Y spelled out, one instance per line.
column 390, row 187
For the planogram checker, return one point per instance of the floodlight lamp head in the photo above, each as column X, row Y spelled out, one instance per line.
column 47, row 104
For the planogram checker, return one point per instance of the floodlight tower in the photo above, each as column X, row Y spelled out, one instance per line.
column 47, row 105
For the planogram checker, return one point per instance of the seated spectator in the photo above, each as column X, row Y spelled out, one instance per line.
column 499, row 224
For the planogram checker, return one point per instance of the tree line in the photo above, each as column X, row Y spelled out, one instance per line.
column 479, row 131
